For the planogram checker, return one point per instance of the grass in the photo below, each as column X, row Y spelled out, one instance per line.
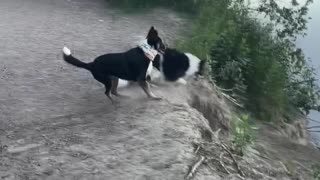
column 316, row 171
column 243, row 134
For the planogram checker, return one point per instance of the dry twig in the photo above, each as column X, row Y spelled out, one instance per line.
column 222, row 164
column 197, row 150
column 231, row 99
column 195, row 167
column 216, row 134
column 312, row 127
column 233, row 159
column 285, row 168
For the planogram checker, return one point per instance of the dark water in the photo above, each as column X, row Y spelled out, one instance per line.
column 311, row 46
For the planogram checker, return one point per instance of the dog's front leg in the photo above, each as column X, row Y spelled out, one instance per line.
column 146, row 87
column 149, row 80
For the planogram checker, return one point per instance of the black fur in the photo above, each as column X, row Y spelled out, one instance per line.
column 131, row 65
column 201, row 68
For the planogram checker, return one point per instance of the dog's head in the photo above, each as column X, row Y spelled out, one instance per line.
column 155, row 41
column 196, row 67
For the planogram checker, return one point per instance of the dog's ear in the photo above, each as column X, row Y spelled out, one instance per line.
column 152, row 32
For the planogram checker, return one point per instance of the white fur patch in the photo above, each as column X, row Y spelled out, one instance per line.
column 66, row 51
column 150, row 68
column 161, row 61
column 123, row 83
column 194, row 63
column 155, row 74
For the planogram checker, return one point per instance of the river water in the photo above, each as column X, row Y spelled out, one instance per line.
column 310, row 44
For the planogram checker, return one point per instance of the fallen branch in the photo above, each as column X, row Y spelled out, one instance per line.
column 231, row 99
column 314, row 131
column 214, row 144
column 301, row 165
column 225, row 95
column 233, row 159
column 216, row 134
column 258, row 154
column 224, row 147
column 313, row 120
column 222, row 164
column 311, row 127
column 195, row 168
column 231, row 176
column 197, row 150
column 285, row 168
column 222, row 89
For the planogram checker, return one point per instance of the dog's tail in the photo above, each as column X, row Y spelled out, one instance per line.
column 72, row 60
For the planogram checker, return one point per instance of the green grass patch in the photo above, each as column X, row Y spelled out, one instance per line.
column 243, row 133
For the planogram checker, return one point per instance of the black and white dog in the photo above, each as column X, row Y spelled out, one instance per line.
column 174, row 66
column 132, row 65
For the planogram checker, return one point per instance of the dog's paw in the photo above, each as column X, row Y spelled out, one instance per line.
column 181, row 81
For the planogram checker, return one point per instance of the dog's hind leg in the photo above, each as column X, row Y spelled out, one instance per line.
column 108, row 86
column 114, row 89
column 107, row 81
column 115, row 82
column 146, row 87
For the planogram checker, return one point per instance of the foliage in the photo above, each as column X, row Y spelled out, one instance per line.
column 291, row 18
column 247, row 56
column 316, row 171
column 242, row 134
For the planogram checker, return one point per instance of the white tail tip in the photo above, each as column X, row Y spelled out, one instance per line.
column 66, row 51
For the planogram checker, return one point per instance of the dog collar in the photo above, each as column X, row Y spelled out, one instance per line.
column 149, row 52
